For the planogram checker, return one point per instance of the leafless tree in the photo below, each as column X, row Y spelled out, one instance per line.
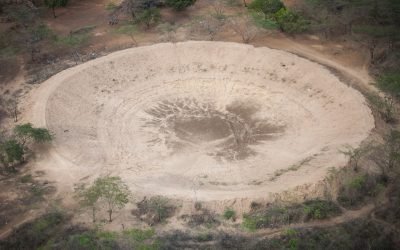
column 11, row 107
column 387, row 155
column 211, row 26
column 355, row 154
column 244, row 27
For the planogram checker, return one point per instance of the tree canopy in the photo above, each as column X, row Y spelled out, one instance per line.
column 180, row 4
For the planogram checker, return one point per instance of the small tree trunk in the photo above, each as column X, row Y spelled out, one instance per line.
column 15, row 112
column 110, row 215
column 54, row 11
column 245, row 3
column 133, row 40
column 94, row 214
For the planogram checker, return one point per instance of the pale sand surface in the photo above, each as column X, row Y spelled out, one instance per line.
column 198, row 121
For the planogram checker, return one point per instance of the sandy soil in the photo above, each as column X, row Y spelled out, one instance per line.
column 198, row 121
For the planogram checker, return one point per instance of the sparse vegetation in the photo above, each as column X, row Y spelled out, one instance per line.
column 385, row 106
column 53, row 4
column 358, row 190
column 154, row 210
column 390, row 82
column 14, row 148
column 34, row 234
column 129, row 30
column 242, row 26
column 278, row 215
column 110, row 191
column 355, row 154
column 230, row 214
column 180, row 4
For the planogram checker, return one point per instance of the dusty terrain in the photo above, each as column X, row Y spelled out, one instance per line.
column 198, row 121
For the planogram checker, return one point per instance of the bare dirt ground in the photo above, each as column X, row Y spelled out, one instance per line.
column 199, row 121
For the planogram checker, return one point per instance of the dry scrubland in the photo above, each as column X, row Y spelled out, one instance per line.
column 224, row 125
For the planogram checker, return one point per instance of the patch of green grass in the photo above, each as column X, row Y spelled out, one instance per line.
column 142, row 239
column 250, row 223
column 390, row 83
column 37, row 190
column 76, row 38
column 7, row 52
column 229, row 214
column 320, row 209
column 385, row 106
column 84, row 30
column 111, row 6
column 264, row 22
column 34, row 234
column 204, row 237
column 73, row 40
column 26, row 179
column 139, row 235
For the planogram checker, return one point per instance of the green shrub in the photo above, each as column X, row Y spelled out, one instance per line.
column 275, row 216
column 111, row 6
column 250, row 222
column 355, row 191
column 26, row 178
column 390, row 82
column 139, row 235
column 34, row 234
column 229, row 214
column 290, row 22
column 141, row 239
column 204, row 237
column 385, row 106
column 149, row 17
column 264, row 22
column 73, row 40
column 11, row 151
column 320, row 209
column 268, row 7
column 180, row 4
column 92, row 240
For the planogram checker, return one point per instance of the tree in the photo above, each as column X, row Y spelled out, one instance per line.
column 53, row 4
column 37, row 34
column 13, row 148
column 209, row 25
column 26, row 132
column 88, row 197
column 289, row 21
column 387, row 155
column 149, row 17
column 159, row 206
column 386, row 106
column 268, row 7
column 21, row 14
column 243, row 26
column 11, row 107
column 355, row 154
column 113, row 191
column 180, row 4
column 11, row 151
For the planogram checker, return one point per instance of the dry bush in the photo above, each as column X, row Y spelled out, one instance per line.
column 243, row 26
column 154, row 210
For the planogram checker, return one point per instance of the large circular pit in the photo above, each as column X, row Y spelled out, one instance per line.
column 201, row 120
